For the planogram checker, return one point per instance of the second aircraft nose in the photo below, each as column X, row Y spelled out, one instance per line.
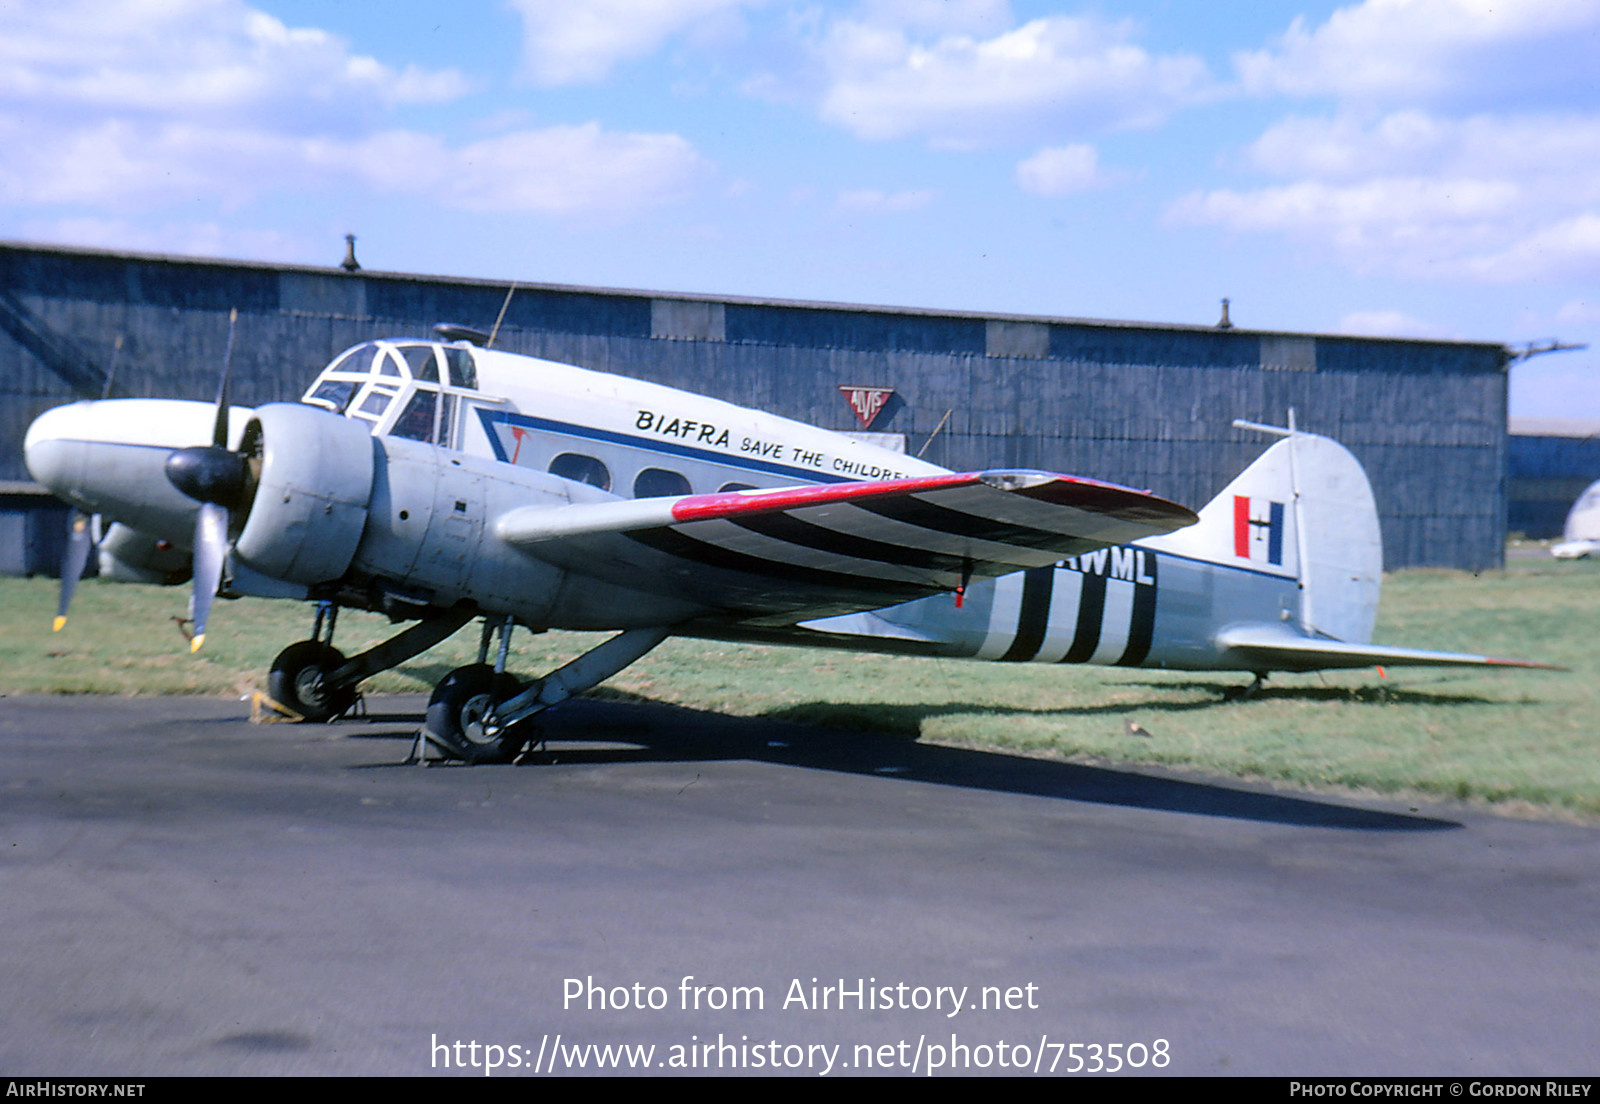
column 54, row 452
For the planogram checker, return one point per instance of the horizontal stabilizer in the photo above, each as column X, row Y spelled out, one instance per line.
column 1271, row 648
column 867, row 623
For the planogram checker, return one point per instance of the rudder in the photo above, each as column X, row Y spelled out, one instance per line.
column 1302, row 510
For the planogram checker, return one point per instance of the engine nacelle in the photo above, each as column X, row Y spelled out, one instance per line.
column 310, row 503
column 129, row 556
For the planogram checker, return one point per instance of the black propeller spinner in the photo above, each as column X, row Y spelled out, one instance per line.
column 208, row 473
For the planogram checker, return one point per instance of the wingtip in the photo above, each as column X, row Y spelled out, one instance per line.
column 1529, row 664
column 194, row 645
column 59, row 622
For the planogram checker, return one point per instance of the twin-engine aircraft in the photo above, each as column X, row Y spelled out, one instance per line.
column 442, row 481
column 1581, row 536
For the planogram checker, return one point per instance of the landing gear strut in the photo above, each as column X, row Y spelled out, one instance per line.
column 1246, row 693
column 314, row 679
column 478, row 713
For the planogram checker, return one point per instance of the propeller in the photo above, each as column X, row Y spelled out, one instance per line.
column 79, row 541
column 217, row 479
column 80, row 535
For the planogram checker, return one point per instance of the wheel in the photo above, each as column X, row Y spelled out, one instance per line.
column 457, row 710
column 297, row 676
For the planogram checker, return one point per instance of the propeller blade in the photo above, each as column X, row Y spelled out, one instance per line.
column 219, row 431
column 210, row 548
column 80, row 538
column 215, row 478
column 111, row 372
column 79, row 541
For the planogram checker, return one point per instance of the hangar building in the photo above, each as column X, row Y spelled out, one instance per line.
column 1144, row 404
column 1549, row 463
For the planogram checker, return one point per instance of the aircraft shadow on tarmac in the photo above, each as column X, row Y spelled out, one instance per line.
column 607, row 730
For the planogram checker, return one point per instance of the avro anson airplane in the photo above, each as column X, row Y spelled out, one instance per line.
column 1581, row 536
column 443, row 481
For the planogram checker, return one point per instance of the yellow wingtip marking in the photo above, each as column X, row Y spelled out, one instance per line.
column 194, row 645
column 59, row 622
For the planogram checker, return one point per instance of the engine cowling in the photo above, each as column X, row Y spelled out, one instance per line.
column 311, row 492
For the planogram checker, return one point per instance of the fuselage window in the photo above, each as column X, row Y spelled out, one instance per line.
column 335, row 394
column 376, row 402
column 727, row 487
column 463, row 369
column 416, row 421
column 358, row 359
column 581, row 469
column 423, row 364
column 659, row 483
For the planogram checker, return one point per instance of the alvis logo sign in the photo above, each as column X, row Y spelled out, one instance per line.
column 1258, row 529
column 867, row 402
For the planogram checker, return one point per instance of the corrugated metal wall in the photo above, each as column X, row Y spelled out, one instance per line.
column 1150, row 406
column 1546, row 476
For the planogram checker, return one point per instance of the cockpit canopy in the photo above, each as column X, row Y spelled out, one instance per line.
column 402, row 388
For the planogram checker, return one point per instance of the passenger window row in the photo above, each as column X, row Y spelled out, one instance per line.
column 649, row 483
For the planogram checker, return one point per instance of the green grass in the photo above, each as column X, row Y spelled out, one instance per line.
column 1518, row 740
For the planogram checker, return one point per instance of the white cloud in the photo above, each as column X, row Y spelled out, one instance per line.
column 1352, row 146
column 198, row 59
column 1568, row 248
column 203, row 239
column 136, row 106
column 1049, row 77
column 1578, row 311
column 601, row 171
column 1387, row 51
column 976, row 17
column 1388, row 323
column 1486, row 198
column 869, row 199
column 1060, row 171
column 1464, row 142
column 562, row 170
column 574, row 43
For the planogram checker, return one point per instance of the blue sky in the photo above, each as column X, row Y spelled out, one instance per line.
column 1401, row 167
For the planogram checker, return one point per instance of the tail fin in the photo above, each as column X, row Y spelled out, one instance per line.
column 1303, row 510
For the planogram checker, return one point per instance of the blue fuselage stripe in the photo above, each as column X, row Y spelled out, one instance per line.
column 647, row 444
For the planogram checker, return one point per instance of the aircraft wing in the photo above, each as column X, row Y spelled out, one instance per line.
column 835, row 548
column 1279, row 649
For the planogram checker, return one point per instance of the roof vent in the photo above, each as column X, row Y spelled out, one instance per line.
column 449, row 331
column 350, row 264
column 1224, row 323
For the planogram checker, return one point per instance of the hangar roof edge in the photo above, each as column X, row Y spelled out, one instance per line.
column 704, row 297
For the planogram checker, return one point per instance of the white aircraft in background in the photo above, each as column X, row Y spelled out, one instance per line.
column 1581, row 535
column 442, row 481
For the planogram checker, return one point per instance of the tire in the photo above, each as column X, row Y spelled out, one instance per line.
column 296, row 680
column 456, row 712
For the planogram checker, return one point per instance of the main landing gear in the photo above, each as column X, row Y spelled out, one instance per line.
column 481, row 714
column 314, row 679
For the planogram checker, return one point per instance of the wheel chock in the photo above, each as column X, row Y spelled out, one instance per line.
column 265, row 710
